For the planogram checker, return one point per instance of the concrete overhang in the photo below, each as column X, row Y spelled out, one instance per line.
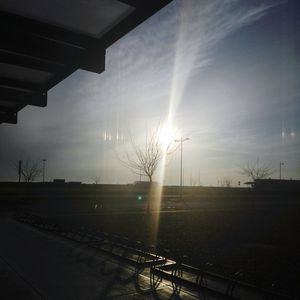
column 43, row 42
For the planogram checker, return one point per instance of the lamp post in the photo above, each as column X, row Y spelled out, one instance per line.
column 20, row 170
column 44, row 166
column 280, row 164
column 181, row 141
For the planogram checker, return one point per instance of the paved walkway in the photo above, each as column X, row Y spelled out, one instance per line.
column 13, row 285
column 38, row 265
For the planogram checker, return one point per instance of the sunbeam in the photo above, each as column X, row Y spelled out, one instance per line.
column 198, row 28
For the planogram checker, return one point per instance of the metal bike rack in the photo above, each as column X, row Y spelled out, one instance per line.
column 160, row 265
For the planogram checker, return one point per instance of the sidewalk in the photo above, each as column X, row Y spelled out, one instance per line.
column 14, row 286
column 38, row 265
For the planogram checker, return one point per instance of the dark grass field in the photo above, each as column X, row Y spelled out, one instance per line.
column 263, row 244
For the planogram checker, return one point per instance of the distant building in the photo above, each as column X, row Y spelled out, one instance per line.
column 59, row 181
column 145, row 183
column 63, row 181
column 74, row 183
column 276, row 184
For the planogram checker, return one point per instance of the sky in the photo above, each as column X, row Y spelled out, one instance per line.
column 224, row 73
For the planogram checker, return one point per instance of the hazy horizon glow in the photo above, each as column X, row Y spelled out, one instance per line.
column 223, row 73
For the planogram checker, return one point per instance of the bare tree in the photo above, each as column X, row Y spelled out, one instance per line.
column 96, row 179
column 30, row 170
column 226, row 182
column 145, row 159
column 256, row 171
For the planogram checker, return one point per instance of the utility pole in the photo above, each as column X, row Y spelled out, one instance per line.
column 20, row 170
column 280, row 164
column 181, row 141
column 44, row 167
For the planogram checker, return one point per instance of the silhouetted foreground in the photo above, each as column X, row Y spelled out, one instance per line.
column 76, row 197
column 224, row 230
column 154, row 265
column 263, row 245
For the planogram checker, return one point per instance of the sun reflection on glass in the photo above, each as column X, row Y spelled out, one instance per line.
column 167, row 134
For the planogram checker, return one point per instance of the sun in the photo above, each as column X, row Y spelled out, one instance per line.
column 167, row 134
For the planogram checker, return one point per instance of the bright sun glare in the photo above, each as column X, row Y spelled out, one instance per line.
column 167, row 134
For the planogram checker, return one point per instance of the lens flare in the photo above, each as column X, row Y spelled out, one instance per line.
column 199, row 28
column 167, row 134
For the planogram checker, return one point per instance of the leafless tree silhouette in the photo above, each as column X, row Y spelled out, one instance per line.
column 256, row 171
column 144, row 159
column 96, row 179
column 226, row 182
column 31, row 170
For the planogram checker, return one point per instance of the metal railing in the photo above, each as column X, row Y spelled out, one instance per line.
column 159, row 265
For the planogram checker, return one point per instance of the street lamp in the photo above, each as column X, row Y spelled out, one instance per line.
column 20, row 170
column 181, row 141
column 44, row 161
column 280, row 164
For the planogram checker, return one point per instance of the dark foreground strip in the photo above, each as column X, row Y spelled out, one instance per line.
column 175, row 272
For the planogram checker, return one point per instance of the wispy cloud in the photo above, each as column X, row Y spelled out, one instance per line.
column 201, row 26
column 154, row 62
